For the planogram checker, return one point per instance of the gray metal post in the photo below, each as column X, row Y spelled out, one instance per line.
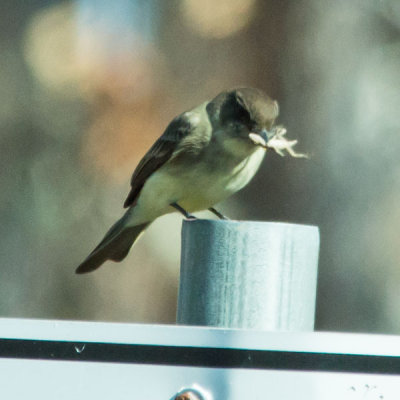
column 253, row 275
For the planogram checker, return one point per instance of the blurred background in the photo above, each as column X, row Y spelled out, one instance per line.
column 86, row 86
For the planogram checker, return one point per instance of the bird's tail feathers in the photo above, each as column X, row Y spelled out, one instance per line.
column 115, row 245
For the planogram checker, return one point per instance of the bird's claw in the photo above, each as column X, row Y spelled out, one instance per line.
column 218, row 214
column 183, row 211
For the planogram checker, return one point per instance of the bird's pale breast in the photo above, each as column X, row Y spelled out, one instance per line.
column 195, row 188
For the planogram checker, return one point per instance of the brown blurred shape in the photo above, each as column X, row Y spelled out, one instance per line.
column 217, row 19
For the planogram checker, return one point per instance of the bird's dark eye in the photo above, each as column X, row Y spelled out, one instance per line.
column 235, row 110
column 242, row 112
column 243, row 115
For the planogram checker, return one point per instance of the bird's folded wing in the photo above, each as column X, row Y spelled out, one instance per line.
column 161, row 151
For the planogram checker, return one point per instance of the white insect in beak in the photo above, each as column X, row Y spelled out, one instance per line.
column 258, row 140
column 277, row 142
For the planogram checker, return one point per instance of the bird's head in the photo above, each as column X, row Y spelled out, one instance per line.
column 244, row 116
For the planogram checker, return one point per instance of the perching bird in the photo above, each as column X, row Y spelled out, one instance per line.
column 204, row 156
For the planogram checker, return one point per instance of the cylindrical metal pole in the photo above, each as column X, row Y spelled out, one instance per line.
column 253, row 275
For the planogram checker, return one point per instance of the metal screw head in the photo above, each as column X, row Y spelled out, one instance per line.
column 188, row 395
column 194, row 392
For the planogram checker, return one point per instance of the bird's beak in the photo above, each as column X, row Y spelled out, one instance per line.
column 261, row 138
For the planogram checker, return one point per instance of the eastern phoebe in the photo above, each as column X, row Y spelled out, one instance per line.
column 204, row 156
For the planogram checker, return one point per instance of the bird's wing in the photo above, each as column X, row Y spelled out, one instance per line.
column 161, row 151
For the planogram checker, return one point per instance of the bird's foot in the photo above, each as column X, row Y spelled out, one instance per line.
column 218, row 214
column 183, row 211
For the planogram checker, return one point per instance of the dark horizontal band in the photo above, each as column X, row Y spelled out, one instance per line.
column 196, row 356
